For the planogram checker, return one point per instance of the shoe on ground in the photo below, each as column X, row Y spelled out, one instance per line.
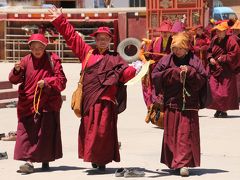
column 223, row 115
column 120, row 172
column 26, row 168
column 184, row 172
column 3, row 155
column 134, row 173
column 12, row 136
column 94, row 165
column 45, row 166
column 217, row 113
column 2, row 135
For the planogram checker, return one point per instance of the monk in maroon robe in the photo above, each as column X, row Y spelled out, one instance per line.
column 201, row 44
column 154, row 51
column 180, row 78
column 41, row 79
column 223, row 60
column 104, row 95
column 236, row 35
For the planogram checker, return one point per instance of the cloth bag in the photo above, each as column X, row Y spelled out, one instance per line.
column 155, row 113
column 77, row 98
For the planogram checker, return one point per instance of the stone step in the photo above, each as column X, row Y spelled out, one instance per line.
column 5, row 85
column 7, row 103
column 8, row 94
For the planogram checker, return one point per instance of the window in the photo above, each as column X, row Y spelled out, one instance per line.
column 217, row 17
column 137, row 3
column 99, row 4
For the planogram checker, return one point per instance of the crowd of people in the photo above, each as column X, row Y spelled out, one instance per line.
column 183, row 64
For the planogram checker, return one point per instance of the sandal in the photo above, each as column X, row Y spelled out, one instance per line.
column 120, row 172
column 12, row 136
column 26, row 168
column 134, row 173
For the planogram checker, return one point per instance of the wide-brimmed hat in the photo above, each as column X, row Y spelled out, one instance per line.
column 178, row 26
column 222, row 26
column 102, row 29
column 165, row 26
column 236, row 25
column 38, row 38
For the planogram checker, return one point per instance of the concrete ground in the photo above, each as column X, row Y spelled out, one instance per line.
column 141, row 142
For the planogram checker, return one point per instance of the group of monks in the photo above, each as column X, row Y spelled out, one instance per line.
column 204, row 44
column 179, row 76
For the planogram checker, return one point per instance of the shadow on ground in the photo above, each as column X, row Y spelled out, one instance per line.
column 58, row 168
column 196, row 172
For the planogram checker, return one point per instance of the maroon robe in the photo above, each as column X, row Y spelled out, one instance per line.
column 181, row 140
column 222, row 75
column 156, row 46
column 98, row 141
column 200, row 47
column 39, row 140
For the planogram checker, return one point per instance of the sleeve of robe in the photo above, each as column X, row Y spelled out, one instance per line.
column 160, row 75
column 58, row 80
column 196, row 76
column 72, row 38
column 232, row 56
column 127, row 74
column 16, row 77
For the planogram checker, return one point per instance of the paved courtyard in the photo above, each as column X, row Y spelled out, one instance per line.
column 140, row 142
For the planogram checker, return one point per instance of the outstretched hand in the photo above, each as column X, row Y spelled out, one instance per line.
column 55, row 12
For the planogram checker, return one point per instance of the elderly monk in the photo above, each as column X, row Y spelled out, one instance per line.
column 180, row 77
column 104, row 93
column 224, row 61
column 41, row 79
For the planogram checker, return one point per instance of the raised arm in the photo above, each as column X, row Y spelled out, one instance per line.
column 72, row 38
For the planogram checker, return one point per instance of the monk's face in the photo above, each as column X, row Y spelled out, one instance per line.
column 37, row 49
column 102, row 40
column 220, row 34
column 179, row 52
column 199, row 31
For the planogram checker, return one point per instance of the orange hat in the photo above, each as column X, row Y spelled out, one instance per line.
column 181, row 40
column 222, row 26
column 236, row 25
column 165, row 26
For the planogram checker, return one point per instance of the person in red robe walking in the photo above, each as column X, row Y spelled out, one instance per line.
column 154, row 50
column 180, row 77
column 223, row 60
column 41, row 78
column 201, row 44
column 104, row 92
column 236, row 35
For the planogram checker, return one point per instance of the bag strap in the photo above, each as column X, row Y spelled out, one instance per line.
column 86, row 61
